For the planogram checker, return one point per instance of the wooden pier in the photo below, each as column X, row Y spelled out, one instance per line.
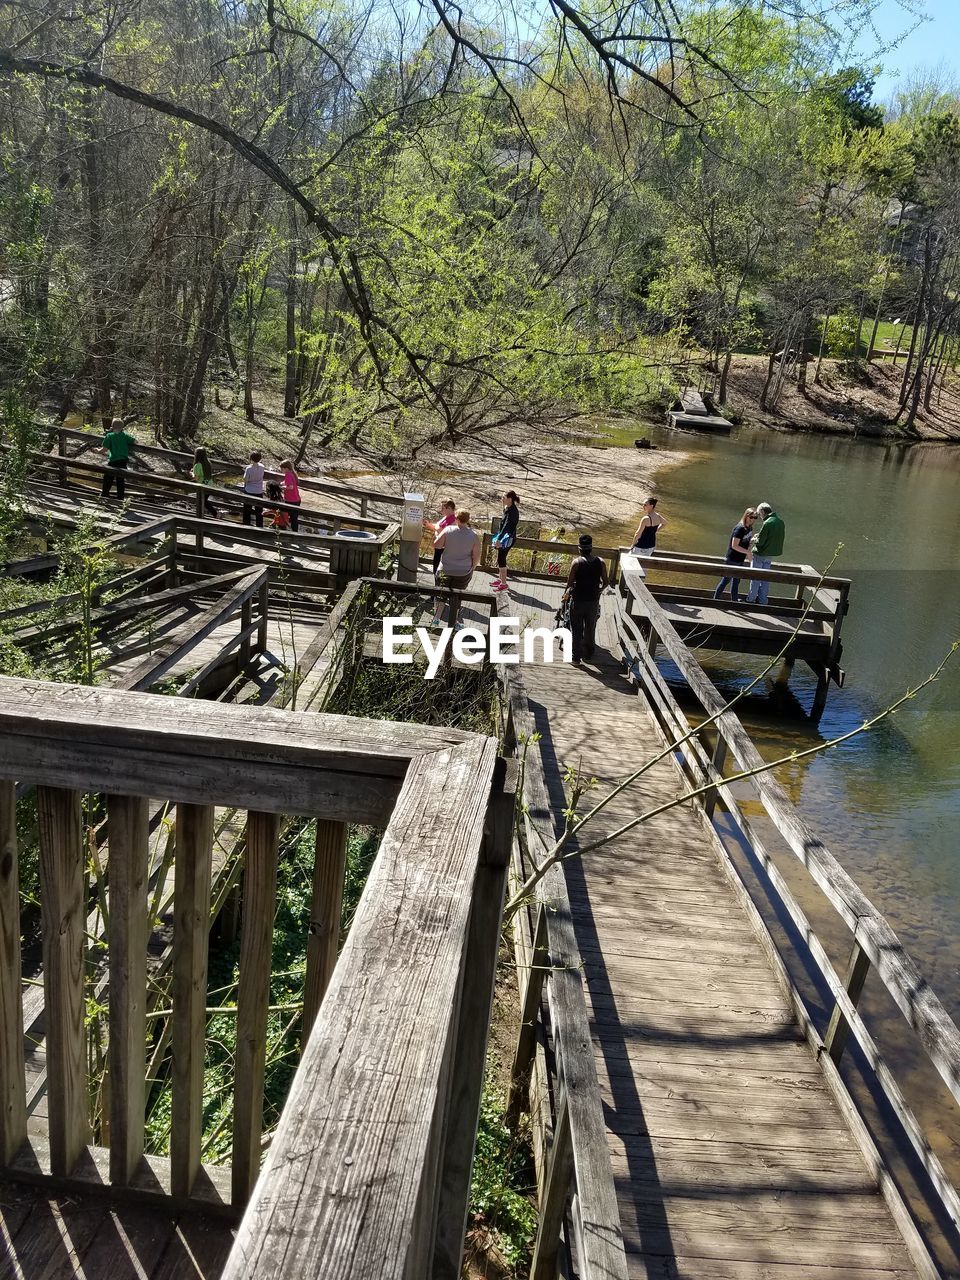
column 802, row 618
column 688, row 1114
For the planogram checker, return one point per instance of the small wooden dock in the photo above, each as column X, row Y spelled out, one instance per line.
column 801, row 620
column 691, row 412
column 730, row 1156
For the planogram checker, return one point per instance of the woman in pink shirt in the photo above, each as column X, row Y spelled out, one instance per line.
column 448, row 518
column 291, row 492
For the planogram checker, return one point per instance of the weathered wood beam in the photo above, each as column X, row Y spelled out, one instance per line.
column 356, row 1130
column 63, row 910
column 13, row 1113
column 128, row 835
column 253, row 998
column 191, row 930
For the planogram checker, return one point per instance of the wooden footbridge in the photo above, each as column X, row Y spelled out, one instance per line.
column 689, row 1102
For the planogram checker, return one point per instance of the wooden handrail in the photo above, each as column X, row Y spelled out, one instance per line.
column 186, row 459
column 709, row 566
column 579, row 1110
column 144, row 480
column 874, row 941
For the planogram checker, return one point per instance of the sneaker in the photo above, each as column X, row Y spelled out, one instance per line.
column 499, row 586
column 576, row 663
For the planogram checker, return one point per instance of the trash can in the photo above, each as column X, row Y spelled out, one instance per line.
column 355, row 553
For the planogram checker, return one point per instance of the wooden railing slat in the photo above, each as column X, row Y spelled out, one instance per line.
column 193, row 868
column 253, row 998
column 326, row 908
column 13, row 1113
column 128, row 836
column 63, row 908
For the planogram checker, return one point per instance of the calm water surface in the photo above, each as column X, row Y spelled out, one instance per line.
column 888, row 803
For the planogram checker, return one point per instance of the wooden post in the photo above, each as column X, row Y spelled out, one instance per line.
column 13, row 1112
column 200, row 506
column 264, row 617
column 326, row 907
column 836, row 648
column 253, row 998
column 472, row 1029
column 191, row 931
column 62, row 452
column 718, row 760
column 128, row 835
column 411, row 531
column 554, row 1203
column 839, row 1028
column 63, row 911
column 172, row 549
column 246, row 617
column 525, row 1051
column 820, row 695
column 364, row 506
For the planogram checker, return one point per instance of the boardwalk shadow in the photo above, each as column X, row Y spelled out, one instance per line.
column 640, row 1155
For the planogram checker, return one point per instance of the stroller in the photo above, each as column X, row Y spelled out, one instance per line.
column 562, row 617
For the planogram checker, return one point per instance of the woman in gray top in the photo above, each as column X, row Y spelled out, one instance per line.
column 459, row 547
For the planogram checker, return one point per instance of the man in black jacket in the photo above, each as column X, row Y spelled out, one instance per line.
column 588, row 577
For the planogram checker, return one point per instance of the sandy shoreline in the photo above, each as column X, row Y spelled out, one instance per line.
column 576, row 485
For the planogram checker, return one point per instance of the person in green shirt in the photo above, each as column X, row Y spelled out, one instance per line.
column 767, row 544
column 117, row 445
column 203, row 474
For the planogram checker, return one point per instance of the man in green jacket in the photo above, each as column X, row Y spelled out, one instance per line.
column 767, row 545
column 117, row 445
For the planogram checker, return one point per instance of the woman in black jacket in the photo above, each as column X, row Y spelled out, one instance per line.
column 506, row 536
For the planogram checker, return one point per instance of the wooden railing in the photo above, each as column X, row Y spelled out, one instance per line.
column 553, row 1074
column 383, row 1109
column 819, row 597
column 707, row 755
column 164, row 490
column 548, row 549
column 180, row 460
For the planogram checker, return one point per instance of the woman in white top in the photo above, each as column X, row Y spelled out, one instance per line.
column 253, row 484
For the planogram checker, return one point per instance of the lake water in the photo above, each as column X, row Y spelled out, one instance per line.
column 887, row 804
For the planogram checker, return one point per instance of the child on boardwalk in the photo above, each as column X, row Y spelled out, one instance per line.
column 291, row 492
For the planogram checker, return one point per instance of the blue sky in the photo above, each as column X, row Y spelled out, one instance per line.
column 935, row 42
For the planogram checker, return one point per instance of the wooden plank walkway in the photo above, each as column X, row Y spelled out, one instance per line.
column 731, row 1158
column 77, row 1236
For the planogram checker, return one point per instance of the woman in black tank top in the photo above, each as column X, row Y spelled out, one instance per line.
column 645, row 539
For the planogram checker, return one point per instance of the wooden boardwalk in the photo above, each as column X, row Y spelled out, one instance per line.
column 73, row 1236
column 731, row 1158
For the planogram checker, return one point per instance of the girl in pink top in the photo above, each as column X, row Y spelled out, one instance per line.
column 448, row 517
column 291, row 492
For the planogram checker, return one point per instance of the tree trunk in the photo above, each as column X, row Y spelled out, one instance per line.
column 769, row 378
column 823, row 342
column 724, row 376
column 290, row 378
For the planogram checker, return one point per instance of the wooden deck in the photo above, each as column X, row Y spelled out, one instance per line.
column 731, row 1157
column 74, row 1236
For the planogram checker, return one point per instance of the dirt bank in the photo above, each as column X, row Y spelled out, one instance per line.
column 843, row 403
column 560, row 482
